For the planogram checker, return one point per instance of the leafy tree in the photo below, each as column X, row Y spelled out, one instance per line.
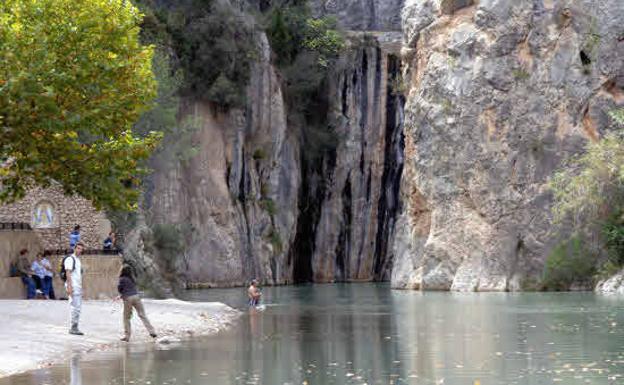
column 321, row 36
column 213, row 44
column 292, row 31
column 592, row 185
column 162, row 117
column 73, row 80
column 304, row 49
column 589, row 196
column 613, row 232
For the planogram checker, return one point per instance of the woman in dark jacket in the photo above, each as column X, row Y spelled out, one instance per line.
column 128, row 292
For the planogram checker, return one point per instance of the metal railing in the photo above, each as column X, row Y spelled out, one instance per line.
column 111, row 252
column 15, row 226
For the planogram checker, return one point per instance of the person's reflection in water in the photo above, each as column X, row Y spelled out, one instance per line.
column 254, row 315
column 75, row 376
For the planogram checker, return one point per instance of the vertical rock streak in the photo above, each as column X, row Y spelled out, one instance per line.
column 389, row 204
column 259, row 206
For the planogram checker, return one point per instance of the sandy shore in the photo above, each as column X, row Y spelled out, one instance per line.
column 33, row 334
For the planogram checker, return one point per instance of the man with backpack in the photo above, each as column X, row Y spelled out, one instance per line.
column 71, row 273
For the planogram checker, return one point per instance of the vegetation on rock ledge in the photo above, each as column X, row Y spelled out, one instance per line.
column 589, row 198
column 213, row 46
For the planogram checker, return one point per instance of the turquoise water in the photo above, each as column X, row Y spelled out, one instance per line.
column 369, row 334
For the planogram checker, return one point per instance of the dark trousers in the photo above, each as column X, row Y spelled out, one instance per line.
column 29, row 283
column 48, row 288
column 38, row 282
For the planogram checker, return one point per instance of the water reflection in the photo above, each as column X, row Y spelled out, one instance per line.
column 357, row 334
column 75, row 376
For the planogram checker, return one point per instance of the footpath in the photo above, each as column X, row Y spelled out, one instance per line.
column 33, row 334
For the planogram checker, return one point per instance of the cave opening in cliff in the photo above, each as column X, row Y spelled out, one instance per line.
column 318, row 160
column 389, row 201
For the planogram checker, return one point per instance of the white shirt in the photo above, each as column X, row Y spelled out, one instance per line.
column 76, row 274
column 38, row 269
column 45, row 262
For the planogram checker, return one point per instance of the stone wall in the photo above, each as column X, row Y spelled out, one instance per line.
column 11, row 242
column 53, row 216
column 99, row 278
column 100, row 272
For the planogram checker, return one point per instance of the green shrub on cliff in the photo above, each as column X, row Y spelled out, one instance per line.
column 589, row 197
column 569, row 263
column 613, row 232
column 292, row 31
column 618, row 115
column 213, row 45
column 168, row 239
column 305, row 48
column 591, row 186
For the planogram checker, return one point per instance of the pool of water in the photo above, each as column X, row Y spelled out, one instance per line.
column 369, row 334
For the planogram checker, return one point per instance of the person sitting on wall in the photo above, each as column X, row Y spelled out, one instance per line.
column 74, row 237
column 49, row 276
column 23, row 267
column 38, row 275
column 109, row 242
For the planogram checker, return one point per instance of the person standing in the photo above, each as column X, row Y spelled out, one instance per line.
column 128, row 292
column 25, row 272
column 49, row 275
column 73, row 285
column 74, row 237
column 254, row 294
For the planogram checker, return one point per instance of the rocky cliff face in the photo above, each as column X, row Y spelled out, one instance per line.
column 500, row 92
column 612, row 286
column 442, row 190
column 236, row 193
column 362, row 15
column 252, row 205
column 347, row 219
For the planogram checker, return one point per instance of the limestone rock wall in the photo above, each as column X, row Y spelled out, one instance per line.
column 613, row 285
column 500, row 93
column 362, row 15
column 237, row 194
column 358, row 206
column 443, row 190
column 250, row 203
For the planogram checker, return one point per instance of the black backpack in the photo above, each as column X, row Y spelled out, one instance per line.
column 62, row 272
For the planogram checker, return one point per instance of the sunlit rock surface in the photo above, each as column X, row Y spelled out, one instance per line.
column 500, row 93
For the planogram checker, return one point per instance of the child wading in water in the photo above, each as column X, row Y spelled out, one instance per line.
column 128, row 292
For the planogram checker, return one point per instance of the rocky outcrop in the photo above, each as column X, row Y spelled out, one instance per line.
column 612, row 285
column 234, row 193
column 251, row 203
column 362, row 15
column 500, row 93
